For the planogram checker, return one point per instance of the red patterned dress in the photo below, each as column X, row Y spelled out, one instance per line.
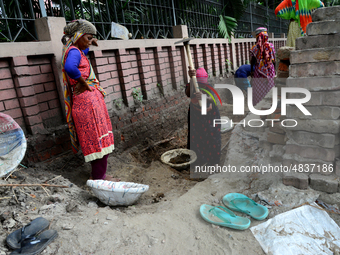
column 90, row 116
column 264, row 71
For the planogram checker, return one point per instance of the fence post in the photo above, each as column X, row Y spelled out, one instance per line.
column 233, row 52
column 42, row 8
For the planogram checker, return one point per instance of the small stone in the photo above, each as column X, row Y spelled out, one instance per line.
column 106, row 223
column 197, row 237
column 149, row 246
column 213, row 193
column 163, row 241
column 95, row 221
column 92, row 205
column 67, row 226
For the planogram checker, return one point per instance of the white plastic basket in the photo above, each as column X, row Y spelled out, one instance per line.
column 117, row 193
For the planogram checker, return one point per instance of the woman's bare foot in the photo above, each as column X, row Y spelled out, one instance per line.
column 111, row 178
column 108, row 178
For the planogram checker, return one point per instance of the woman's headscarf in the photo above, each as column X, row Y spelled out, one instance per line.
column 299, row 10
column 263, row 51
column 201, row 75
column 76, row 29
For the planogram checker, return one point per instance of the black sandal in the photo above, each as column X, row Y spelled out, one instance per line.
column 36, row 244
column 27, row 232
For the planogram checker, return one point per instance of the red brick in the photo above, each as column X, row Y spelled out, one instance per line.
column 42, row 78
column 112, row 60
column 5, row 73
column 33, row 120
column 101, row 61
column 28, row 101
column 156, row 116
column 36, row 129
column 133, row 119
column 47, row 96
column 51, row 113
column 43, row 107
column 3, row 63
column 39, row 88
column 11, row 104
column 20, row 61
column 54, row 104
column 103, row 76
column 106, row 68
column 98, row 53
column 7, row 94
column 49, row 86
column 23, row 81
column 32, row 110
column 2, row 107
column 45, row 69
column 7, row 84
column 14, row 113
column 44, row 156
column 38, row 60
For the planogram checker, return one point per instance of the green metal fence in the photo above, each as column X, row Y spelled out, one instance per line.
column 144, row 19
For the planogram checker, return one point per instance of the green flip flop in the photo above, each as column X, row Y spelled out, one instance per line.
column 241, row 203
column 222, row 216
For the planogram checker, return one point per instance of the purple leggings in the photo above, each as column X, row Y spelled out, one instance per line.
column 99, row 167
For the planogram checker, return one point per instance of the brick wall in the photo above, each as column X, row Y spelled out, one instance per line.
column 29, row 90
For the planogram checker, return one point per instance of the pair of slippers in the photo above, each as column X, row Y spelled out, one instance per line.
column 223, row 216
column 32, row 238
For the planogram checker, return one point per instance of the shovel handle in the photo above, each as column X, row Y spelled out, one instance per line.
column 191, row 64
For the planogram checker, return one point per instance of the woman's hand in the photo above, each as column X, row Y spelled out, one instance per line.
column 94, row 42
column 191, row 72
column 198, row 95
column 81, row 88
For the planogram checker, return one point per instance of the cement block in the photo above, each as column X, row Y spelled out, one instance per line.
column 323, row 183
column 297, row 180
column 302, row 165
column 328, row 141
column 326, row 13
column 277, row 151
column 277, row 128
column 284, row 52
column 311, row 152
column 317, row 41
column 315, row 69
column 318, row 112
column 323, row 28
column 315, row 55
column 276, row 138
column 317, row 126
column 337, row 167
column 314, row 83
column 331, row 98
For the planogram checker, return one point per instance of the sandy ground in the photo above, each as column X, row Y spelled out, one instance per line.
column 165, row 220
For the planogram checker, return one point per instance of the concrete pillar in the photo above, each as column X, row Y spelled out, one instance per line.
column 180, row 31
column 52, row 29
column 271, row 35
column 283, row 35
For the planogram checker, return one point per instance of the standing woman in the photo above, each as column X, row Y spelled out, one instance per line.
column 263, row 64
column 86, row 113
